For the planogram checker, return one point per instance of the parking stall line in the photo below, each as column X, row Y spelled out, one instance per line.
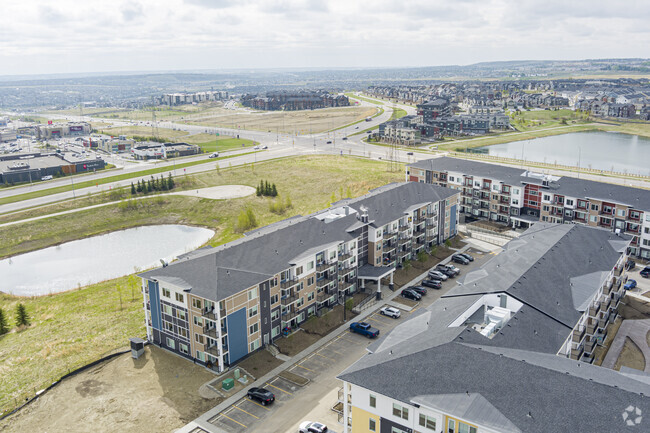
column 326, row 357
column 279, row 389
column 256, row 403
column 298, row 365
column 246, row 412
column 235, row 421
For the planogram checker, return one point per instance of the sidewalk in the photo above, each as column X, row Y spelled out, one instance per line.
column 636, row 330
column 202, row 421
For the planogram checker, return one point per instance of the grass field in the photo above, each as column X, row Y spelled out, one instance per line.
column 143, row 131
column 77, row 327
column 209, row 143
column 398, row 113
column 116, row 178
column 361, row 98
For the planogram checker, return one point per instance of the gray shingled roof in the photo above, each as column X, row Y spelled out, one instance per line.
column 568, row 186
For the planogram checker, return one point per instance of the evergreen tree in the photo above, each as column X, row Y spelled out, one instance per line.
column 170, row 182
column 149, row 186
column 154, row 183
column 4, row 328
column 162, row 183
column 139, row 187
column 274, row 191
column 22, row 318
column 267, row 188
column 133, row 192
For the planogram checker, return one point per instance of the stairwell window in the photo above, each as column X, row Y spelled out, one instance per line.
column 166, row 293
column 252, row 294
column 373, row 401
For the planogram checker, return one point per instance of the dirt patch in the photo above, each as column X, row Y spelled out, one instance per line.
column 221, row 192
column 296, row 342
column 294, row 378
column 259, row 363
column 631, row 356
column 158, row 392
column 331, row 320
column 404, row 301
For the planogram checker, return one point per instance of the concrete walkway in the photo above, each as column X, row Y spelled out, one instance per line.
column 636, row 330
column 202, row 421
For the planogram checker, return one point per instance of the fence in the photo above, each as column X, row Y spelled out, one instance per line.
column 13, row 403
column 365, row 303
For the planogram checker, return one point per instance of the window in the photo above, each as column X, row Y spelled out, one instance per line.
column 200, row 356
column 593, row 218
column 310, row 296
column 166, row 293
column 300, row 302
column 198, row 321
column 181, row 314
column 545, row 208
column 252, row 294
column 171, row 343
column 275, row 332
column 465, row 428
column 196, row 303
column 515, row 190
column 373, row 401
column 428, row 422
column 451, row 178
column 167, row 309
column 372, row 425
column 378, row 247
column 300, row 286
column 180, row 297
column 594, row 207
column 198, row 338
column 182, row 332
column 253, row 328
column 634, row 214
column 533, row 192
column 299, row 270
column 274, row 282
column 275, row 314
column 252, row 311
column 183, row 348
column 515, row 201
column 274, row 299
column 396, row 430
column 310, row 281
column 400, row 412
column 310, row 266
column 547, row 197
column 168, row 326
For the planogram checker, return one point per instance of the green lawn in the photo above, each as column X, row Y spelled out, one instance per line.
column 372, row 101
column 209, row 143
column 398, row 113
column 145, row 131
column 77, row 327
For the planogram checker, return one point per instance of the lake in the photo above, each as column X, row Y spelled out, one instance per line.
column 98, row 258
column 597, row 150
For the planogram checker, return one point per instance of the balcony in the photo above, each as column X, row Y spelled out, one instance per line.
column 578, row 335
column 344, row 256
column 209, row 313
column 323, row 266
column 288, row 299
column 323, row 296
column 210, row 331
column 345, row 285
column 324, row 282
column 289, row 314
column 290, row 282
column 594, row 309
column 589, row 346
column 213, row 350
column 403, row 240
column 345, row 270
column 430, row 221
column 403, row 228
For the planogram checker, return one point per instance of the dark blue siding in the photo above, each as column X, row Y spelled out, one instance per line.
column 452, row 221
column 237, row 335
column 154, row 300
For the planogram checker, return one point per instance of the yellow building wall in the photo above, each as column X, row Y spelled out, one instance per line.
column 361, row 421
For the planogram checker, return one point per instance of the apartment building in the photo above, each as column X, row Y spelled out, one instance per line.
column 519, row 197
column 217, row 305
column 497, row 352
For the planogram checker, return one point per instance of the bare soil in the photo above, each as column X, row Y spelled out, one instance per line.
column 296, row 342
column 259, row 363
column 631, row 356
column 156, row 393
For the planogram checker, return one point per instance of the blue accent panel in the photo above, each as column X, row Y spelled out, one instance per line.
column 452, row 220
column 237, row 335
column 154, row 301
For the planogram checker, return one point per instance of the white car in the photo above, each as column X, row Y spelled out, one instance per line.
column 390, row 312
column 256, row 148
column 437, row 275
column 312, row 427
column 265, row 147
column 214, row 155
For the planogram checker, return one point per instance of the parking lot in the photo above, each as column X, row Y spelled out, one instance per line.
column 643, row 284
column 292, row 401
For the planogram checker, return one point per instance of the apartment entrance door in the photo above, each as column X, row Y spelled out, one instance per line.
column 266, row 339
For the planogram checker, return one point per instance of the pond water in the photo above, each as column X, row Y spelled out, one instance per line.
column 598, row 150
column 98, row 258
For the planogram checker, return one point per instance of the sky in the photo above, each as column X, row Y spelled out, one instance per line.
column 71, row 36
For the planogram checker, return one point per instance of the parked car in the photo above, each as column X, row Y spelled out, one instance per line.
column 645, row 272
column 390, row 312
column 409, row 153
column 419, row 290
column 630, row 285
column 467, row 256
column 345, row 138
column 46, row 177
column 364, row 328
column 437, row 275
column 630, row 264
column 214, row 155
column 457, row 258
column 312, row 427
column 411, row 294
column 448, row 269
column 264, row 396
column 329, row 142
column 434, row 284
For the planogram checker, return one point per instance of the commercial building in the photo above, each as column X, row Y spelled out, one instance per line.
column 519, row 197
column 17, row 168
column 7, row 135
column 509, row 349
column 59, row 130
column 164, row 150
column 217, row 305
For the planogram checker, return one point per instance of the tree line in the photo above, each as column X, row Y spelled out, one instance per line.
column 153, row 184
column 21, row 318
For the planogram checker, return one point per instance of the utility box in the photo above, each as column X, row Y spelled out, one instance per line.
column 137, row 347
column 236, row 373
column 228, row 384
